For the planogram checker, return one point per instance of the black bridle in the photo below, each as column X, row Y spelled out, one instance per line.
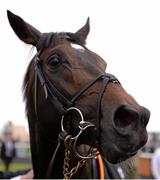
column 62, row 104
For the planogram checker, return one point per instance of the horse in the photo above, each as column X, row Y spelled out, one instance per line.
column 80, row 117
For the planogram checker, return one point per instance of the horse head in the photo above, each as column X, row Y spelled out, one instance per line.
column 69, row 74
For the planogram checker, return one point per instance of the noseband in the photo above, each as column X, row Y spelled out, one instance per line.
column 65, row 105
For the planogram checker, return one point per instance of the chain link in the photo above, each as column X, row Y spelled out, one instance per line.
column 69, row 173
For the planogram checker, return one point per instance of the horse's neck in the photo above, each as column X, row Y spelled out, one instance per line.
column 41, row 150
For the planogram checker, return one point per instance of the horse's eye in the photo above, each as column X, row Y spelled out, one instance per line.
column 54, row 60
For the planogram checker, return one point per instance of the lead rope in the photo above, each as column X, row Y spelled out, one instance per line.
column 101, row 167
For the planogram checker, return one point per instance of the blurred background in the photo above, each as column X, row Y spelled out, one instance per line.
column 125, row 33
column 22, row 157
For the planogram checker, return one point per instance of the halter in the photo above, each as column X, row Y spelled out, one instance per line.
column 63, row 104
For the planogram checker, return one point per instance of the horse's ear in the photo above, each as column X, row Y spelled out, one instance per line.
column 23, row 30
column 84, row 30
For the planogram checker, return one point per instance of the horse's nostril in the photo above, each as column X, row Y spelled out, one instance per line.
column 125, row 116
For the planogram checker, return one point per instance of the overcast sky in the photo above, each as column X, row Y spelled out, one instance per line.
column 126, row 33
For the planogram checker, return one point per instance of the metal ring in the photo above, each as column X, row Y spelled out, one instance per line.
column 75, row 138
column 81, row 121
column 75, row 149
column 88, row 156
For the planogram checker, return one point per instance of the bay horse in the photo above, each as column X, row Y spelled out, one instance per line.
column 80, row 117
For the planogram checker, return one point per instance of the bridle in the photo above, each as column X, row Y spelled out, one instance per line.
column 65, row 105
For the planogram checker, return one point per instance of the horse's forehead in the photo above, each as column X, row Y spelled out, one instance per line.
column 74, row 51
column 78, row 47
column 69, row 50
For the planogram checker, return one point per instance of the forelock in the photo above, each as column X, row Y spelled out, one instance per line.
column 51, row 39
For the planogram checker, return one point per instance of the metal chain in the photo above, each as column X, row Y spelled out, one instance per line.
column 68, row 174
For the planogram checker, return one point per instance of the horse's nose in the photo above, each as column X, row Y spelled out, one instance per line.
column 127, row 117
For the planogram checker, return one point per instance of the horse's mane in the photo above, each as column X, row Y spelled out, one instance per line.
column 27, row 87
column 50, row 39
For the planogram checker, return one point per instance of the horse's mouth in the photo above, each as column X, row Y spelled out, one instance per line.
column 116, row 154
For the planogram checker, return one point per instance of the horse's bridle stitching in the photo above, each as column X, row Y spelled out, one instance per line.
column 62, row 103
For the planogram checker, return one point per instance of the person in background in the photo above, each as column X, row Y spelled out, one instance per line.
column 7, row 150
column 155, row 164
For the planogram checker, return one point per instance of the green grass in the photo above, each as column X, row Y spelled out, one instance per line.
column 15, row 166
